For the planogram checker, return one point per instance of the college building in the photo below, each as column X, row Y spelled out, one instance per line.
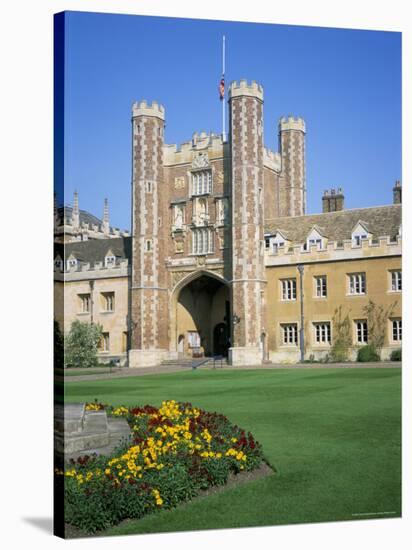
column 222, row 258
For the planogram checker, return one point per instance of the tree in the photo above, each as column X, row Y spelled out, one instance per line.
column 377, row 317
column 81, row 344
column 341, row 335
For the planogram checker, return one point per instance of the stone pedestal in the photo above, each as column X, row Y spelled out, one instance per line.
column 78, row 432
column 243, row 356
column 146, row 358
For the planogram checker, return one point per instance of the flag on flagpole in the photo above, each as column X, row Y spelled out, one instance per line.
column 222, row 88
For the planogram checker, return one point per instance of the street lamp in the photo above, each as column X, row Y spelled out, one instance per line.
column 302, row 330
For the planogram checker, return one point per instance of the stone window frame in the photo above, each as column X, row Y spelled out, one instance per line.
column 288, row 286
column 360, row 331
column 85, row 302
column 290, row 332
column 104, row 344
column 203, row 184
column 148, row 245
column 322, row 333
column 108, row 301
column 395, row 330
column 356, row 284
column 202, row 250
column 395, row 279
column 321, row 288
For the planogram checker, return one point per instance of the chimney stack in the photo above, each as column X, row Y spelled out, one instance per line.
column 397, row 193
column 333, row 200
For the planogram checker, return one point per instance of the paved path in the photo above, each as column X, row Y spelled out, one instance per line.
column 164, row 369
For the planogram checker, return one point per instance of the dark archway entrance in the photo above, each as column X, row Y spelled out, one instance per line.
column 202, row 315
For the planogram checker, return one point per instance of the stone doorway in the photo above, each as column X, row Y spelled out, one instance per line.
column 202, row 311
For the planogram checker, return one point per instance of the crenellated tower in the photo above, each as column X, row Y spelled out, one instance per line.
column 149, row 304
column 248, row 279
column 292, row 149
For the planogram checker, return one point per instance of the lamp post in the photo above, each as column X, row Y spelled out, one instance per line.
column 302, row 330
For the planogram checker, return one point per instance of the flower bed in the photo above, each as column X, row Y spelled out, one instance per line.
column 176, row 451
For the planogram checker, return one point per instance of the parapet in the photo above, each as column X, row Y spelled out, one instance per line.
column 272, row 159
column 142, row 108
column 201, row 141
column 292, row 123
column 244, row 89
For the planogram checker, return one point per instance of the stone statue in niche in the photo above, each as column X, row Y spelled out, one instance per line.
column 223, row 211
column 201, row 211
column 178, row 217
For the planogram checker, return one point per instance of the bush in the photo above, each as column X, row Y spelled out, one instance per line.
column 177, row 450
column 396, row 355
column 367, row 354
column 81, row 344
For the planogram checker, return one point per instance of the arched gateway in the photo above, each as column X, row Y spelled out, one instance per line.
column 200, row 313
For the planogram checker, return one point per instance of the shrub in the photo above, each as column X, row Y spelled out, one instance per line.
column 177, row 450
column 367, row 354
column 396, row 355
column 81, row 344
column 342, row 336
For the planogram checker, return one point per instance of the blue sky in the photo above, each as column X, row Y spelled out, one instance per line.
column 345, row 83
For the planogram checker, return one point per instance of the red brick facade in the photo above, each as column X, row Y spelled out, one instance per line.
column 201, row 208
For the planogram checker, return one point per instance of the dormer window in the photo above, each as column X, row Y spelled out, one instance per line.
column 110, row 261
column 276, row 243
column 71, row 262
column 314, row 239
column 357, row 239
column 58, row 263
column 359, row 234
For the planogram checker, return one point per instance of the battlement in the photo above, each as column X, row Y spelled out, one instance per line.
column 242, row 88
column 272, row 159
column 292, row 123
column 96, row 269
column 184, row 152
column 143, row 108
column 334, row 251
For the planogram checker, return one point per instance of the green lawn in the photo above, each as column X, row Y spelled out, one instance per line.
column 333, row 436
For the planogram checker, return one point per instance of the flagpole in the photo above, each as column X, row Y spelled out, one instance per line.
column 223, row 101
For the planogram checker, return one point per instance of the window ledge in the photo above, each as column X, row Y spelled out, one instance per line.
column 290, row 346
column 104, row 312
